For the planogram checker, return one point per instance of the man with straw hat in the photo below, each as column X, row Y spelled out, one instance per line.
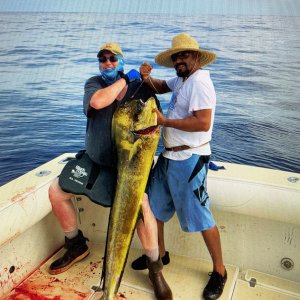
column 179, row 179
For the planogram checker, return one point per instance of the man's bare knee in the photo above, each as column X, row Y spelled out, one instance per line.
column 56, row 194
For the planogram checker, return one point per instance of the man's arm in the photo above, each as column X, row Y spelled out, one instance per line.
column 157, row 85
column 106, row 96
column 200, row 121
column 116, row 91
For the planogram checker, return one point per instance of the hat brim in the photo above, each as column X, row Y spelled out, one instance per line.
column 164, row 58
column 108, row 50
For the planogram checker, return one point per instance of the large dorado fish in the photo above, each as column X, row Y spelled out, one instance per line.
column 136, row 136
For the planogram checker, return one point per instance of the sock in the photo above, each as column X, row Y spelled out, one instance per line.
column 71, row 234
column 152, row 254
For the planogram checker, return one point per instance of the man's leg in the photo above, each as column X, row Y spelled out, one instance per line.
column 159, row 195
column 161, row 238
column 213, row 244
column 63, row 209
column 165, row 257
column 215, row 286
column 75, row 242
column 147, row 232
column 140, row 262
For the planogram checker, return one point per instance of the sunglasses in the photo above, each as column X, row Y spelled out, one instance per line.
column 112, row 58
column 180, row 55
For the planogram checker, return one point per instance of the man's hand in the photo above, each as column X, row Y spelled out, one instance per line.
column 145, row 70
column 161, row 119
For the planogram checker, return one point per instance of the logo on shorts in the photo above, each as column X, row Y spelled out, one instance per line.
column 79, row 172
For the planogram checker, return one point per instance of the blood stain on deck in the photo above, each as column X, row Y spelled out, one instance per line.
column 43, row 287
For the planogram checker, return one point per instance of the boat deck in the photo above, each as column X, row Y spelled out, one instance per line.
column 259, row 228
column 186, row 276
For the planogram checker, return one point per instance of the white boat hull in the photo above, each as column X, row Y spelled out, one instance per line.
column 257, row 211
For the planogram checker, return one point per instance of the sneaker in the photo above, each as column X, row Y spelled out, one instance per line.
column 77, row 250
column 141, row 262
column 215, row 286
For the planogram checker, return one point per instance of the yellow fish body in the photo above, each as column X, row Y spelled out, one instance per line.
column 136, row 136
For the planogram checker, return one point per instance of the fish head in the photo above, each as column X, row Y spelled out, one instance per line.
column 134, row 127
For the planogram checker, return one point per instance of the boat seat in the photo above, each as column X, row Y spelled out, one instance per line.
column 276, row 190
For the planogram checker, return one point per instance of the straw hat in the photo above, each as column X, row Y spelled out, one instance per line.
column 112, row 47
column 184, row 42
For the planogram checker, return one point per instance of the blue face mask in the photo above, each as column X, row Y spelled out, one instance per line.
column 111, row 75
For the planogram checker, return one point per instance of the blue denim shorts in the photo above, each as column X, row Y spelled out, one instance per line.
column 180, row 186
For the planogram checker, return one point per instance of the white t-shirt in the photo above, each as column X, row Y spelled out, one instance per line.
column 196, row 93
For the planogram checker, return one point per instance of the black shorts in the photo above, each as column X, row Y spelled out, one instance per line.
column 82, row 176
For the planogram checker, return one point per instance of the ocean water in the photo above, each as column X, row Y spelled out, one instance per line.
column 45, row 59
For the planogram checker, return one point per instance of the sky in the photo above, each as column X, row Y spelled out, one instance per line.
column 185, row 7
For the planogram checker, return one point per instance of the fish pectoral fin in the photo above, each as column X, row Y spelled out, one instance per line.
column 135, row 148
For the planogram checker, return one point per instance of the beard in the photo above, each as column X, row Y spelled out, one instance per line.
column 182, row 72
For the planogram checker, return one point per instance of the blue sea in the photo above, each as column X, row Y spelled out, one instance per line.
column 45, row 59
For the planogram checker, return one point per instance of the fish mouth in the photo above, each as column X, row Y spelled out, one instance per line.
column 149, row 130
